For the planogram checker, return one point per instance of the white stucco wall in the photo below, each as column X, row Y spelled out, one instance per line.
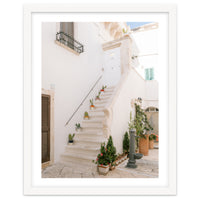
column 133, row 88
column 147, row 44
column 151, row 89
column 71, row 75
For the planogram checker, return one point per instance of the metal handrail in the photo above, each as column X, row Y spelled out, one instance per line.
column 69, row 41
column 83, row 100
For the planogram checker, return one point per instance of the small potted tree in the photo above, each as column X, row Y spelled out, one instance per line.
column 98, row 96
column 152, row 137
column 70, row 139
column 111, row 150
column 86, row 115
column 78, row 127
column 92, row 104
column 103, row 88
column 126, row 142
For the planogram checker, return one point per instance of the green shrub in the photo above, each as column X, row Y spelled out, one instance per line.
column 111, row 150
column 126, row 142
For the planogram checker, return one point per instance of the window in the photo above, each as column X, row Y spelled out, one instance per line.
column 149, row 74
column 67, row 27
column 65, row 38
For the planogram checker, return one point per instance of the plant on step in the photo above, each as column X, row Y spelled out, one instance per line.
column 126, row 141
column 103, row 88
column 124, row 30
column 86, row 115
column 91, row 104
column 111, row 151
column 98, row 96
column 152, row 136
column 78, row 126
column 71, row 137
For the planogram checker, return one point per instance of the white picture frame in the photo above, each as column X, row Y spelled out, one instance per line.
column 29, row 187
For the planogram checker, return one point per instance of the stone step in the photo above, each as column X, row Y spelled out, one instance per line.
column 106, row 95
column 101, row 102
column 88, row 125
column 98, row 106
column 96, row 115
column 107, row 92
column 96, row 110
column 78, row 160
column 95, row 121
column 81, row 149
column 105, row 98
column 109, row 89
column 87, row 134
column 89, row 142
column 88, row 128
column 95, row 132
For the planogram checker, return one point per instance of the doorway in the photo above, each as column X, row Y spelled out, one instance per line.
column 45, row 137
column 112, row 67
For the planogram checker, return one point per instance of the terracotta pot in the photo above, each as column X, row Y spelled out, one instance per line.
column 151, row 144
column 144, row 145
column 103, row 169
column 92, row 107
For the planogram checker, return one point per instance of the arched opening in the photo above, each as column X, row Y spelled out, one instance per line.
column 153, row 117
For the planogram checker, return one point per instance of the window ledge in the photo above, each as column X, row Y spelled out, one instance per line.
column 66, row 47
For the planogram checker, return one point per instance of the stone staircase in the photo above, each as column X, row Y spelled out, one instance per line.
column 87, row 142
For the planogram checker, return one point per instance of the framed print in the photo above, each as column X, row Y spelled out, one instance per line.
column 99, row 99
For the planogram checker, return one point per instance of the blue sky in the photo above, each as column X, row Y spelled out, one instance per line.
column 136, row 24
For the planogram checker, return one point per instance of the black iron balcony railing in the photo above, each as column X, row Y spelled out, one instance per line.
column 69, row 41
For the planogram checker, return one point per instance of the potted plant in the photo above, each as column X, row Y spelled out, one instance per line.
column 103, row 88
column 86, row 115
column 111, row 150
column 92, row 104
column 98, row 96
column 70, row 139
column 102, row 160
column 78, row 127
column 142, row 126
column 106, row 158
column 126, row 142
column 125, row 31
column 152, row 137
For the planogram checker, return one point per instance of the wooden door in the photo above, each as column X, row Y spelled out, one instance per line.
column 45, row 128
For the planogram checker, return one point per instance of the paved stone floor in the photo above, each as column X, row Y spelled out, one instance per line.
column 147, row 167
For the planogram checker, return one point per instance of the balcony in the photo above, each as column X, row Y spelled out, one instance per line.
column 70, row 42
